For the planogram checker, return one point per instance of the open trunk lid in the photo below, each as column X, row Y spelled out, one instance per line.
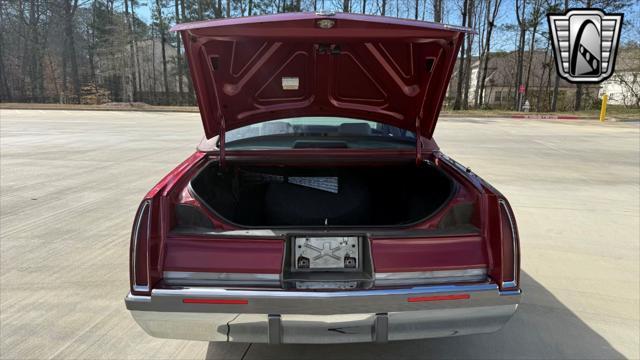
column 388, row 70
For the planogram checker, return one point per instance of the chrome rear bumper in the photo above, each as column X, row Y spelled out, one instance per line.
column 277, row 316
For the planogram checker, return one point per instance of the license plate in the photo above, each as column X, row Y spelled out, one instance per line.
column 326, row 253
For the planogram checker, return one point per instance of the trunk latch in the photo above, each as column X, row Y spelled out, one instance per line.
column 328, row 49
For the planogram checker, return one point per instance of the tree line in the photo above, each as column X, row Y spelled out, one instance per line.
column 100, row 51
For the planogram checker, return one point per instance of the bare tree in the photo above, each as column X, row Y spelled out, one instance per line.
column 545, row 66
column 461, row 69
column 480, row 20
column 492, row 10
column 178, row 54
column 556, row 84
column 32, row 53
column 437, row 11
column 471, row 14
column 69, row 8
column 521, row 11
column 5, row 93
column 163, row 43
column 534, row 20
column 135, row 45
column 154, row 80
column 131, row 64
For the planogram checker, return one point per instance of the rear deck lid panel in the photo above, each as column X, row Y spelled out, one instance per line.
column 250, row 70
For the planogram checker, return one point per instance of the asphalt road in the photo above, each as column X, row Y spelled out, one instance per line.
column 71, row 181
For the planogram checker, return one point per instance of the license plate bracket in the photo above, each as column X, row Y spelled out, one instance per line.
column 326, row 253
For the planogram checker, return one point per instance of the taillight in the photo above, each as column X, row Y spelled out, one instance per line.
column 139, row 250
column 510, row 248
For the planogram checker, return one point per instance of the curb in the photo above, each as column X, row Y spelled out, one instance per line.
column 518, row 116
column 188, row 109
column 98, row 108
column 553, row 117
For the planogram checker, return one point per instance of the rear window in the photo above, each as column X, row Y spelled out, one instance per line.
column 331, row 132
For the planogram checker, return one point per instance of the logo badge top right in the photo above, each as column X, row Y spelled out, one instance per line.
column 585, row 42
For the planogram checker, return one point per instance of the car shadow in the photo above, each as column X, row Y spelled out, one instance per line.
column 541, row 328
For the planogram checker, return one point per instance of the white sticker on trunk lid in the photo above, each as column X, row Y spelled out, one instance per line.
column 290, row 83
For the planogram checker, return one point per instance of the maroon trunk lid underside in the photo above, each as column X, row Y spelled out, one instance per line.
column 249, row 70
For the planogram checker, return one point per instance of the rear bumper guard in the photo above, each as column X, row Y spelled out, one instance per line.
column 277, row 316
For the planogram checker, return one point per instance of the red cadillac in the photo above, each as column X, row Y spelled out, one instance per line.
column 318, row 208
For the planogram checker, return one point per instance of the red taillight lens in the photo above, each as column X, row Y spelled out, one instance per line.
column 139, row 250
column 510, row 248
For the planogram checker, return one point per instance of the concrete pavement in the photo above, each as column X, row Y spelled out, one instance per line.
column 70, row 182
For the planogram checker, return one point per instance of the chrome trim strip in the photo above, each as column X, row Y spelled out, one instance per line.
column 291, row 302
column 514, row 283
column 272, row 301
column 138, row 299
column 283, row 294
column 511, row 292
column 136, row 287
column 275, row 298
column 431, row 277
column 141, row 288
column 220, row 279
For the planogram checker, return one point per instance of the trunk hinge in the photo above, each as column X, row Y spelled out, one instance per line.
column 418, row 144
column 221, row 142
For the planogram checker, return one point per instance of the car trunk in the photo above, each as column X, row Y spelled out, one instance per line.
column 251, row 196
column 333, row 223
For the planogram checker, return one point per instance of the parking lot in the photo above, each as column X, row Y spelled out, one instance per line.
column 71, row 181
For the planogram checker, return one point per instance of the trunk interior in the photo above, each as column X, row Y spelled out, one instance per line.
column 253, row 196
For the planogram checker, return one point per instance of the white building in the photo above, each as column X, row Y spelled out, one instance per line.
column 623, row 87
